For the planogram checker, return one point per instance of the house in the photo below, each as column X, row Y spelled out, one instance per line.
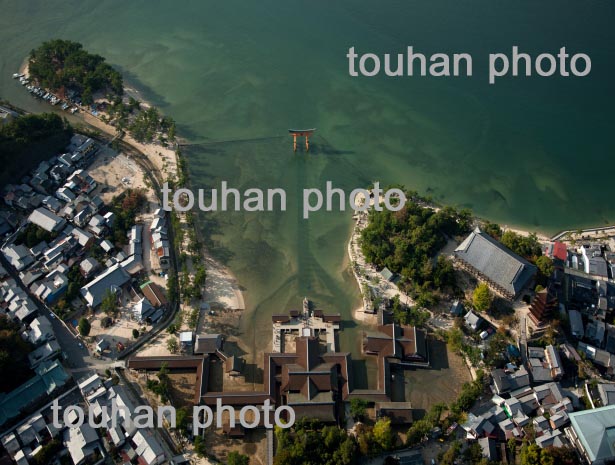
column 52, row 287
column 65, row 194
column 97, row 225
column 489, row 260
column 545, row 364
column 592, row 432
column 148, row 448
column 154, row 294
column 457, row 309
column 551, row 438
column 473, row 321
column 111, row 280
column 46, row 220
column 84, row 238
column 89, row 266
column 106, row 245
column 504, row 381
column 208, row 343
column 53, row 204
column 48, row 351
column 595, row 331
column 556, row 251
column 18, row 256
column 83, row 444
column 607, row 394
column 142, row 310
column 40, row 331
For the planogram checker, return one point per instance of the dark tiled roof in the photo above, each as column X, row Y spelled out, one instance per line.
column 496, row 262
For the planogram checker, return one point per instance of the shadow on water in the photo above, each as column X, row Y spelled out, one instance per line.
column 140, row 89
column 209, row 227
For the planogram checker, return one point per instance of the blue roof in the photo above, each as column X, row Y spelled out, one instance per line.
column 49, row 376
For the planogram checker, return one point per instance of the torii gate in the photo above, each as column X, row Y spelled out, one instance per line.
column 301, row 133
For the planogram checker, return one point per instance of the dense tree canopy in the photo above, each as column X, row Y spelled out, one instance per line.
column 526, row 246
column 235, row 458
column 13, row 355
column 407, row 242
column 125, row 206
column 58, row 64
column 29, row 139
column 311, row 443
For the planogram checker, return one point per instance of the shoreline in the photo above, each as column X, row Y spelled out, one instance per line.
column 226, row 289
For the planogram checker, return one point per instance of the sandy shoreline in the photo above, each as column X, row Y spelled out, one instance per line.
column 221, row 284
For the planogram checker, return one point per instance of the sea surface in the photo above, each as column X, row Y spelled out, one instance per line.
column 235, row 75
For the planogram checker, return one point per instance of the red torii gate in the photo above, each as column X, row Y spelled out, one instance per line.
column 301, row 133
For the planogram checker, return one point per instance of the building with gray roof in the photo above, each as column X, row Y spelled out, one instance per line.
column 607, row 394
column 503, row 270
column 111, row 280
column 46, row 220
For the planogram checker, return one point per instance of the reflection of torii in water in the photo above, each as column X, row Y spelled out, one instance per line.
column 301, row 133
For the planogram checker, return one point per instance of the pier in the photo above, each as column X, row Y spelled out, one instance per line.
column 305, row 323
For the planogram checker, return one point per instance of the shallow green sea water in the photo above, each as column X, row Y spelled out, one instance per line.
column 236, row 75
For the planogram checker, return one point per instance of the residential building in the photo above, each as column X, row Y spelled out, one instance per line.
column 111, row 280
column 45, row 219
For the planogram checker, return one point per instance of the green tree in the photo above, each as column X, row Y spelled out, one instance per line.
column 109, row 303
column 135, row 333
column 481, row 298
column 13, row 355
column 451, row 454
column 383, row 434
column 200, row 447
column 512, row 446
column 47, row 453
column 235, row 458
column 530, row 454
column 84, row 326
column 358, row 408
column 182, row 420
column 172, row 345
column 526, row 246
column 493, row 229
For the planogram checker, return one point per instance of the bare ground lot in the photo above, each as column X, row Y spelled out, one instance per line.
column 253, row 444
column 182, row 388
column 440, row 383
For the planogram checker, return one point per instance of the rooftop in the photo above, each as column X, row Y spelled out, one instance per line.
column 494, row 261
column 596, row 431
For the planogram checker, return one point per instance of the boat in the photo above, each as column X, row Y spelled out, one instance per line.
column 18, row 75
